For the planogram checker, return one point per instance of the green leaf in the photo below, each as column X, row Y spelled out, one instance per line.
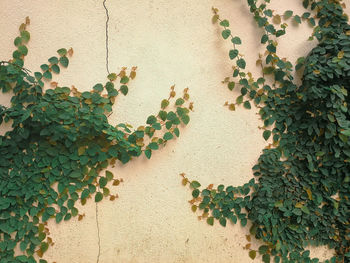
column 38, row 75
column 266, row 258
column 25, row 36
column 226, row 33
column 22, row 258
column 124, row 80
column 157, row 126
column 74, row 211
column 195, row 184
column 247, row 105
column 297, row 19
column 266, row 134
column 47, row 75
column 346, row 132
column 23, row 50
column 164, row 104
column 210, row 220
column 271, row 48
column 222, row 221
column 44, row 67
column 179, row 101
column 162, row 115
column 98, row 87
column 168, row 136
column 98, row 197
column 85, row 193
column 67, row 217
column 264, row 39
column 185, row 119
column 195, row 193
column 288, row 14
column 62, row 52
column 64, row 61
column 305, row 210
column 263, row 249
column 241, row 63
column 268, row 70
column 109, row 175
column 75, row 174
column 151, row 120
column 53, row 60
column 55, row 68
column 311, row 21
column 124, row 89
column 233, row 53
column 231, row 85
column 17, row 41
column 236, row 40
column 59, row 217
column 239, row 99
column 148, row 153
column 153, row 146
column 225, row 23
column 244, row 222
column 102, row 182
column 44, row 246
column 112, row 76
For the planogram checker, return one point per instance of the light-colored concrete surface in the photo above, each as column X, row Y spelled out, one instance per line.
column 171, row 42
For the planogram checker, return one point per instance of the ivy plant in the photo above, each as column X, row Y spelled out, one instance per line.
column 61, row 145
column 300, row 193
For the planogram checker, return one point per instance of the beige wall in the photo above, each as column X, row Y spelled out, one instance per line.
column 171, row 42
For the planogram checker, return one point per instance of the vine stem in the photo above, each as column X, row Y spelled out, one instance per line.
column 107, row 50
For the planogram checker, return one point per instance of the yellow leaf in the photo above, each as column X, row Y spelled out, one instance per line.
column 316, row 72
column 139, row 142
column 122, row 73
column 132, row 74
column 88, row 101
column 81, row 150
column 340, row 54
column 252, row 254
column 22, row 27
column 299, row 205
column 276, row 19
column 308, row 191
column 215, row 18
column 194, row 208
column 232, row 107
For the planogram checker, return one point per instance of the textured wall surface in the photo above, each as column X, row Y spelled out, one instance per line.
column 171, row 42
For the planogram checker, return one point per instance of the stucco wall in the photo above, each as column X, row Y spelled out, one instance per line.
column 171, row 42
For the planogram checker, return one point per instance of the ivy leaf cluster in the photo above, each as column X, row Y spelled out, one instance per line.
column 300, row 193
column 61, row 145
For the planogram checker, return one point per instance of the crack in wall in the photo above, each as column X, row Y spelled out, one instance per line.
column 98, row 236
column 107, row 67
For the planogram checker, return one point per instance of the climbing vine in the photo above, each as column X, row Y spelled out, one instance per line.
column 61, row 145
column 300, row 192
